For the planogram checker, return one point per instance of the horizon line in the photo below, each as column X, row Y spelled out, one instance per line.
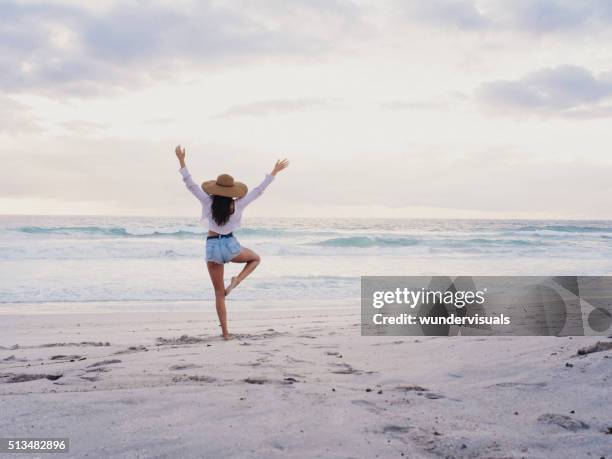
column 320, row 218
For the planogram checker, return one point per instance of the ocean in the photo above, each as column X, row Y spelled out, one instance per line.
column 83, row 263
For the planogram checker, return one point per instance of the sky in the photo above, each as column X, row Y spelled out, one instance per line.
column 398, row 108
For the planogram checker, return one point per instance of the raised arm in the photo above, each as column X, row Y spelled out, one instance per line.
column 193, row 187
column 259, row 189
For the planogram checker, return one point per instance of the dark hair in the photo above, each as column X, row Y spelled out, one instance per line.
column 222, row 207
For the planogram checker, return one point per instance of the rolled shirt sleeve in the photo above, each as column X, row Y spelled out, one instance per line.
column 255, row 192
column 193, row 187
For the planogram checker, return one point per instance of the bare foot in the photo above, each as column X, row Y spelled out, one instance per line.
column 228, row 337
column 232, row 285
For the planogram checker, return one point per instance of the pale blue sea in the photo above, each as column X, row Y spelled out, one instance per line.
column 129, row 264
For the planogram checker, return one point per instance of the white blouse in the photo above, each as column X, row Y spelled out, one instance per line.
column 239, row 204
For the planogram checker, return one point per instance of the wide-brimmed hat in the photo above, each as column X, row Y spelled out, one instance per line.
column 225, row 185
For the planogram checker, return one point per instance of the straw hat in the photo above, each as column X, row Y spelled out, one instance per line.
column 225, row 186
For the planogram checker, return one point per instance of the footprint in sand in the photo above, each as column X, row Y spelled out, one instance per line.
column 104, row 362
column 412, row 388
column 260, row 381
column 388, row 344
column 183, row 339
column 600, row 346
column 423, row 391
column 519, row 384
column 277, row 445
column 392, row 429
column 185, row 366
column 563, row 421
column 81, row 344
column 12, row 358
column 324, row 346
column 290, row 359
column 270, row 333
column 67, row 358
column 11, row 378
column 132, row 349
column 431, row 395
column 98, row 370
column 345, row 369
column 372, row 407
column 193, row 378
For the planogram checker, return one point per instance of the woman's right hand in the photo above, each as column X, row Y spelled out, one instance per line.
column 180, row 154
column 279, row 166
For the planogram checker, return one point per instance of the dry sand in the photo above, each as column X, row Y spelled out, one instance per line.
column 296, row 384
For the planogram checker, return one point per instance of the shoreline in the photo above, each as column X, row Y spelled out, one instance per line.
column 203, row 306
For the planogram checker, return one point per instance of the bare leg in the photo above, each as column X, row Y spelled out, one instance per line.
column 216, row 276
column 252, row 261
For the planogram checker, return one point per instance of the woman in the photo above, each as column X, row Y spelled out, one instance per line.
column 223, row 201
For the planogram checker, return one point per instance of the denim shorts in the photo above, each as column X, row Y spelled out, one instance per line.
column 222, row 249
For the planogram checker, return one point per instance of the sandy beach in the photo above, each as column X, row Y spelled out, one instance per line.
column 329, row 169
column 296, row 384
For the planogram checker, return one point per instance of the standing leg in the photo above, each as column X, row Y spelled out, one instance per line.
column 216, row 276
column 252, row 261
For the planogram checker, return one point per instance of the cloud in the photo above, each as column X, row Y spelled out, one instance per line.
column 534, row 16
column 278, row 106
column 461, row 14
column 76, row 49
column 82, row 127
column 16, row 118
column 397, row 105
column 452, row 99
column 543, row 16
column 517, row 182
column 566, row 90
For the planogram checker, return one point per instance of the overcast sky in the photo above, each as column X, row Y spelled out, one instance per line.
column 425, row 108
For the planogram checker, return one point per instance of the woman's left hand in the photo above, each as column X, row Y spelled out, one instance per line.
column 279, row 166
column 180, row 154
